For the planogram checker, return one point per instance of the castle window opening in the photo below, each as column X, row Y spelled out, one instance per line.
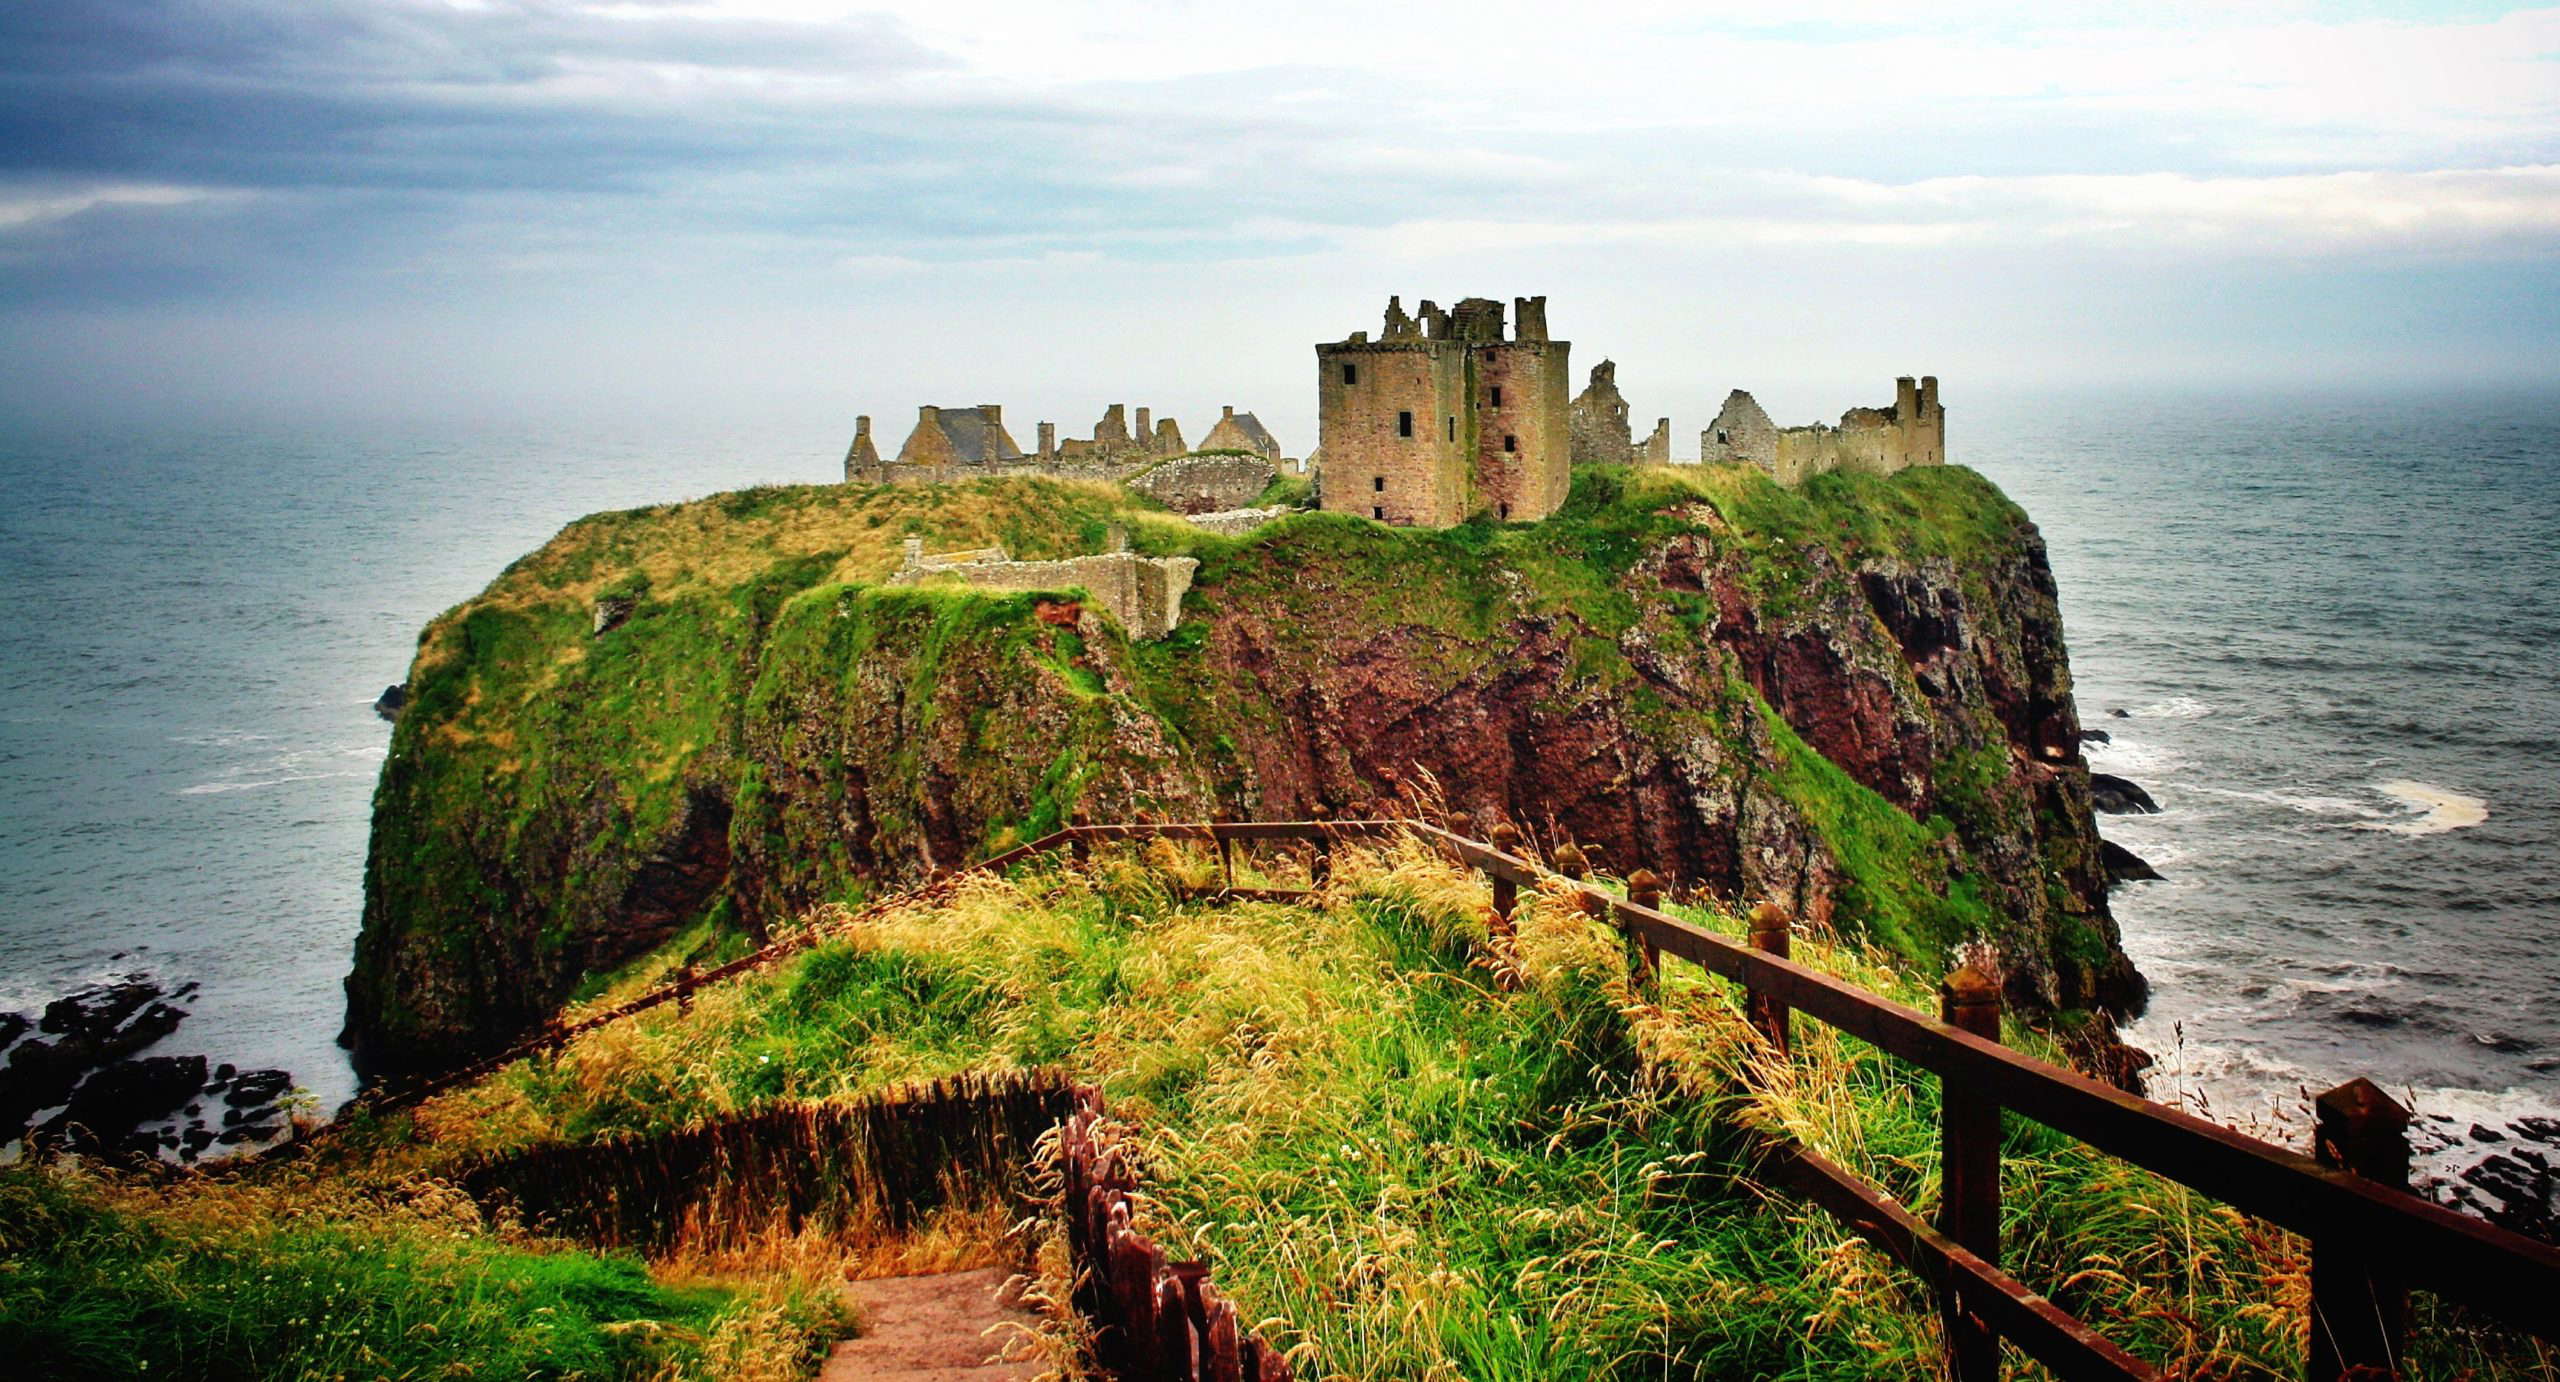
column 1506, row 512
column 1350, row 374
column 1378, row 512
column 1510, row 443
column 1378, row 483
column 1722, row 439
column 1404, row 424
column 1453, row 427
column 1497, row 395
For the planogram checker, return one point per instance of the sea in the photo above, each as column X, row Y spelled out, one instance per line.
column 2323, row 632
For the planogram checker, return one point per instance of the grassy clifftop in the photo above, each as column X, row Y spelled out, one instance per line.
column 1851, row 696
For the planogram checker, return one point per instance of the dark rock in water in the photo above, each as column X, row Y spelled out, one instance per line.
column 196, row 1139
column 389, row 703
column 111, row 1102
column 95, row 1011
column 2123, row 865
column 2118, row 797
column 2121, row 713
column 255, row 1132
column 2482, row 1132
column 225, row 1071
column 2526, row 1200
column 12, row 1026
column 39, row 1075
column 2096, row 736
column 257, row 1087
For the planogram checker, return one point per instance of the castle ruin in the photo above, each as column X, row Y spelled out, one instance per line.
column 1444, row 416
column 1872, row 441
column 954, row 444
column 1241, row 432
column 1599, row 420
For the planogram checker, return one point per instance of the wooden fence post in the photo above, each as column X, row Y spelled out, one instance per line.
column 1320, row 864
column 1645, row 890
column 1969, row 1175
column 2359, row 1305
column 1506, row 894
column 684, row 988
column 1770, row 935
column 1570, row 861
column 1079, row 848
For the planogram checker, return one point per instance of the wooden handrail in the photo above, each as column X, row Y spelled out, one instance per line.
column 2457, row 1257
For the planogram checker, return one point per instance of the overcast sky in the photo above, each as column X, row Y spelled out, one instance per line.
column 783, row 208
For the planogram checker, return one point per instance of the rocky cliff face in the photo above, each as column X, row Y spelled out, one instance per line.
column 1853, row 698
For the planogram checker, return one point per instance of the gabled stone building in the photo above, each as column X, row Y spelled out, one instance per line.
column 1241, row 432
column 1444, row 416
column 959, row 436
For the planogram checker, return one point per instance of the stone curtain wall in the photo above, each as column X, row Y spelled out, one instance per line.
column 1143, row 593
column 1206, row 484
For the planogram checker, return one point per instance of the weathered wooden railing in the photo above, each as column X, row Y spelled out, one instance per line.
column 877, row 1165
column 1154, row 1320
column 2371, row 1240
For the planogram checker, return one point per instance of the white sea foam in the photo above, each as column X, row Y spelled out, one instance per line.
column 211, row 788
column 2174, row 708
column 2310, row 804
column 2445, row 808
column 2138, row 759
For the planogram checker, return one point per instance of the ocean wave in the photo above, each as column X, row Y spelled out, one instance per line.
column 2133, row 758
column 2310, row 804
column 2445, row 809
column 2174, row 708
column 202, row 789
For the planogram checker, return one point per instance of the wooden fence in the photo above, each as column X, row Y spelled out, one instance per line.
column 1154, row 1320
column 879, row 1165
column 2371, row 1240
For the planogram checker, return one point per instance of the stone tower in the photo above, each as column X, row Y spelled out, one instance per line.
column 1443, row 417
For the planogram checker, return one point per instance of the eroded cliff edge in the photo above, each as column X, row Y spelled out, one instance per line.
column 1853, row 696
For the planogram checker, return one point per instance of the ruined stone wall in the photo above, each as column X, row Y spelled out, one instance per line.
column 1741, row 432
column 1371, row 468
column 1143, row 593
column 1873, row 441
column 1236, row 522
column 1599, row 420
column 1657, row 447
column 862, row 459
column 1206, row 484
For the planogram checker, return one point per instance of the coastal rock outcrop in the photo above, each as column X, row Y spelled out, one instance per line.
column 76, row 1081
column 2118, row 796
column 1855, row 701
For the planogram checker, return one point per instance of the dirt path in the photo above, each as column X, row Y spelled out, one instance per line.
column 932, row 1329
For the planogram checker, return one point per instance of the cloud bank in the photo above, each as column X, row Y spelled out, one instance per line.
column 531, row 168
